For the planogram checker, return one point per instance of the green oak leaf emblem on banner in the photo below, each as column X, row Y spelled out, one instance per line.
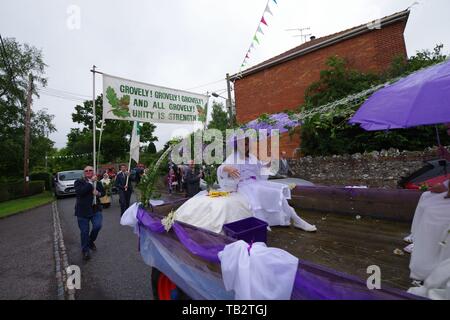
column 120, row 107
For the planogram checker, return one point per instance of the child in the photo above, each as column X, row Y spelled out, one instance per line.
column 171, row 179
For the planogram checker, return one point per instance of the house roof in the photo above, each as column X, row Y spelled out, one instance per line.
column 322, row 42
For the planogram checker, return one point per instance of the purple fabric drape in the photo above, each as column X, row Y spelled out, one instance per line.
column 312, row 282
column 208, row 252
column 151, row 223
column 198, row 243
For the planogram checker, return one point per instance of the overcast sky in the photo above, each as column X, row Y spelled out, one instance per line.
column 184, row 44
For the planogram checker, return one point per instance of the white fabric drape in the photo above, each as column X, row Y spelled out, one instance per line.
column 437, row 285
column 267, row 200
column 429, row 229
column 263, row 274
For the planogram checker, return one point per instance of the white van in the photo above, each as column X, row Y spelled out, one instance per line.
column 64, row 182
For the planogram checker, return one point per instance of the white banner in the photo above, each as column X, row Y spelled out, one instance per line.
column 136, row 101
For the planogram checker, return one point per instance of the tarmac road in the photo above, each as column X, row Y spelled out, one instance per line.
column 116, row 270
column 27, row 268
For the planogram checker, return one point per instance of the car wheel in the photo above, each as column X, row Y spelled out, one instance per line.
column 164, row 289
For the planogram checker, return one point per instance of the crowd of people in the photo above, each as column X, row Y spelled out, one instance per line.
column 184, row 178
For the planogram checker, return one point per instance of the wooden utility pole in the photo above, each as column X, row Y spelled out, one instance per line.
column 229, row 102
column 26, row 152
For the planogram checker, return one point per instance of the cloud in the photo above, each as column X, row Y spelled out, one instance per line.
column 183, row 44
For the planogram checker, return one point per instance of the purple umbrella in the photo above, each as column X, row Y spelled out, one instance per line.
column 422, row 98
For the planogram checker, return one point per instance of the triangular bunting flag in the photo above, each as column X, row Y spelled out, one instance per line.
column 264, row 21
column 275, row 1
column 268, row 10
column 246, row 56
column 256, row 39
column 260, row 30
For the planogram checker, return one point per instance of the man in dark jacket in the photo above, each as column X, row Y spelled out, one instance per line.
column 125, row 190
column 88, row 212
column 285, row 169
column 192, row 178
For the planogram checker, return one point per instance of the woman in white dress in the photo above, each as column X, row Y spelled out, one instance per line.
column 241, row 173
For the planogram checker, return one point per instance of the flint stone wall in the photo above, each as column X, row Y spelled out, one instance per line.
column 375, row 169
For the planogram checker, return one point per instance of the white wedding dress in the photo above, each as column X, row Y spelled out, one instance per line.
column 210, row 213
column 251, row 195
column 267, row 200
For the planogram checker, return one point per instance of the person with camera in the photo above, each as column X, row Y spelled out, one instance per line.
column 88, row 210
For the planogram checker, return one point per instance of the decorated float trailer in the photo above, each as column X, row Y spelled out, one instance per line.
column 358, row 228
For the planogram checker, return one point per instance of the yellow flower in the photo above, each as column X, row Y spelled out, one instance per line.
column 216, row 194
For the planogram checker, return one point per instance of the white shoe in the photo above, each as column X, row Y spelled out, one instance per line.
column 305, row 226
column 409, row 248
column 408, row 239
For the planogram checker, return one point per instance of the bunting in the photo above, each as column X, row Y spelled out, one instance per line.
column 263, row 21
column 259, row 30
column 71, row 156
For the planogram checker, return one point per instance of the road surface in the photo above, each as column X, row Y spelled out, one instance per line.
column 116, row 270
column 27, row 268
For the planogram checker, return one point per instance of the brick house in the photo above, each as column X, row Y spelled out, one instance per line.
column 279, row 83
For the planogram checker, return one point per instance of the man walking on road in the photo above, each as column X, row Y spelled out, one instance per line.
column 192, row 177
column 87, row 211
column 125, row 188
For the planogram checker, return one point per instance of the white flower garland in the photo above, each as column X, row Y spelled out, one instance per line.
column 168, row 221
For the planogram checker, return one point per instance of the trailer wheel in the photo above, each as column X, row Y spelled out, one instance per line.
column 164, row 289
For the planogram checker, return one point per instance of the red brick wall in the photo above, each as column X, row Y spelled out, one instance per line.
column 283, row 86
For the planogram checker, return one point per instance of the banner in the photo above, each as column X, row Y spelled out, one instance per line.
column 136, row 101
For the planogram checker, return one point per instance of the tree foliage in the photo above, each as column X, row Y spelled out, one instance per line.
column 329, row 133
column 220, row 119
column 17, row 61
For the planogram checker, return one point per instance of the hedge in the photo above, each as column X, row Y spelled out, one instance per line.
column 42, row 176
column 15, row 190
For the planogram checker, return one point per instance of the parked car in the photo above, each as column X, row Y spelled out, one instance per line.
column 64, row 182
column 433, row 172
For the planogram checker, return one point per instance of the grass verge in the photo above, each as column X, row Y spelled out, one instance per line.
column 11, row 207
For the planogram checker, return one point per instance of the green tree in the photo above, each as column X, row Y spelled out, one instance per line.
column 151, row 148
column 220, row 117
column 17, row 61
column 337, row 82
column 422, row 59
